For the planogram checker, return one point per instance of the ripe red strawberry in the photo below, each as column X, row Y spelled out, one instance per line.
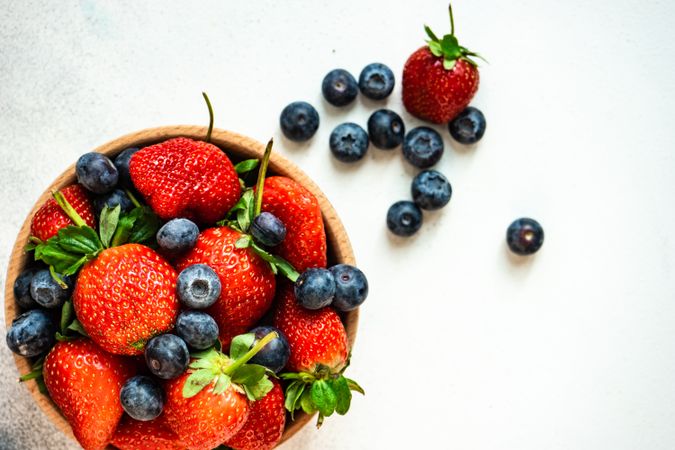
column 265, row 424
column 248, row 283
column 186, row 178
column 126, row 296
column 152, row 435
column 439, row 80
column 85, row 383
column 50, row 218
column 298, row 209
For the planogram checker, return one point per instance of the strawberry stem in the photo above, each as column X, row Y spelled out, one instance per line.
column 261, row 178
column 133, row 198
column 251, row 353
column 68, row 209
column 452, row 20
column 208, row 105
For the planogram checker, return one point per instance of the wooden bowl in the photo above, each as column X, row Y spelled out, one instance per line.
column 238, row 147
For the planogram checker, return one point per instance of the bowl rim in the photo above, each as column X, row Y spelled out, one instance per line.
column 243, row 147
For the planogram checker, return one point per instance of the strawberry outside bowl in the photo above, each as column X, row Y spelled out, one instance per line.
column 238, row 148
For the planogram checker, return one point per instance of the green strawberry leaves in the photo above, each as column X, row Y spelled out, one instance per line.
column 70, row 328
column 448, row 47
column 69, row 249
column 246, row 166
column 108, row 224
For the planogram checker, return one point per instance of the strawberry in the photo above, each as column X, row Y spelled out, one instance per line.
column 181, row 177
column 85, row 382
column 440, row 79
column 50, row 218
column 265, row 424
column 152, row 435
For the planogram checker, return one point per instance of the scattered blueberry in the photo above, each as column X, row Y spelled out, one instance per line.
column 46, row 291
column 525, row 236
column 112, row 199
column 376, row 81
column 423, row 147
column 197, row 329
column 198, row 286
column 386, row 129
column 468, row 127
column 315, row 288
column 339, row 87
column 122, row 164
column 268, row 229
column 177, row 236
column 274, row 355
column 31, row 334
column 22, row 289
column 348, row 142
column 96, row 172
column 299, row 121
column 431, row 190
column 142, row 398
column 167, row 356
column 351, row 287
column 404, row 218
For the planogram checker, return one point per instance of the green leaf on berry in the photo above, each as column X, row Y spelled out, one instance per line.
column 67, row 313
column 248, row 374
column 197, row 381
column 241, row 344
column 323, row 397
column 342, row 393
column 448, row 47
column 277, row 263
column 69, row 249
column 76, row 326
column 246, row 166
column 145, row 226
column 256, row 391
column 293, row 393
column 108, row 223
column 222, row 383
column 354, row 386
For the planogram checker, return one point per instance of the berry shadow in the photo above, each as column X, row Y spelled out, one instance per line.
column 518, row 262
column 293, row 146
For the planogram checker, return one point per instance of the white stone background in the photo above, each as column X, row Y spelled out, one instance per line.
column 460, row 346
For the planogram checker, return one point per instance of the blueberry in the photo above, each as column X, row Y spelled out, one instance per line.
column 351, row 287
column 112, row 199
column 386, row 129
column 376, row 81
column 315, row 288
column 46, row 291
column 404, row 218
column 299, row 121
column 339, row 87
column 197, row 329
column 198, row 286
column 177, row 236
column 31, row 334
column 96, row 172
column 431, row 190
column 349, row 142
column 268, row 229
column 142, row 398
column 274, row 355
column 525, row 236
column 468, row 127
column 122, row 163
column 167, row 356
column 22, row 289
column 423, row 147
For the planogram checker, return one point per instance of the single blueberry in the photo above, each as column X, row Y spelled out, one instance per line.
column 404, row 218
column 167, row 356
column 31, row 334
column 122, row 163
column 22, row 289
column 46, row 291
column 468, row 127
column 198, row 329
column 299, row 121
column 386, row 129
column 274, row 355
column 198, row 286
column 423, row 147
column 376, row 81
column 315, row 288
column 111, row 200
column 351, row 287
column 96, row 172
column 142, row 398
column 268, row 229
column 431, row 190
column 339, row 87
column 348, row 142
column 525, row 236
column 177, row 236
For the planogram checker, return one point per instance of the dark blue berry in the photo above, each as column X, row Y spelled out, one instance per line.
column 469, row 126
column 177, row 236
column 268, row 230
column 315, row 288
column 404, row 218
column 274, row 355
column 349, row 142
column 31, row 334
column 142, row 398
column 423, row 147
column 299, row 121
column 386, row 129
column 96, row 172
column 167, row 356
column 122, row 164
column 198, row 286
column 431, row 190
column 197, row 329
column 351, row 287
column 376, row 81
column 111, row 200
column 22, row 289
column 525, row 236
column 46, row 291
column 339, row 87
